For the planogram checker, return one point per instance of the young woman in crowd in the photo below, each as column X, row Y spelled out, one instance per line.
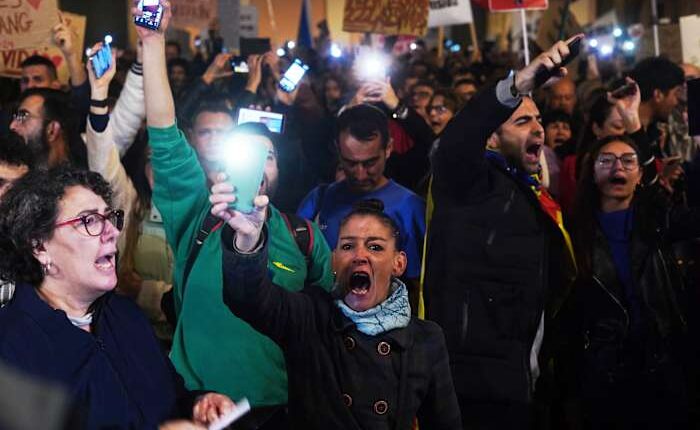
column 442, row 108
column 355, row 359
column 627, row 355
column 58, row 239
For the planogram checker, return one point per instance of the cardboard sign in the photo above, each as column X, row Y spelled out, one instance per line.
column 690, row 39
column 10, row 60
column 449, row 12
column 26, row 23
column 390, row 17
column 193, row 13
column 511, row 5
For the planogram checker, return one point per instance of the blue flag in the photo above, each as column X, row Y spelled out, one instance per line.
column 304, row 35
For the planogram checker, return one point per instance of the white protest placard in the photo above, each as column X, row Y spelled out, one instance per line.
column 449, row 12
column 690, row 38
column 10, row 60
column 26, row 23
column 249, row 21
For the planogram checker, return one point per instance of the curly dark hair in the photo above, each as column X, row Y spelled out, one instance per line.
column 28, row 215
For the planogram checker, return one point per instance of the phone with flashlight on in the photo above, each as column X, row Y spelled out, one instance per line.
column 291, row 78
column 101, row 60
column 244, row 164
column 152, row 14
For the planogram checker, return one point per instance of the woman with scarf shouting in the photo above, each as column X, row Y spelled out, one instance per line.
column 356, row 359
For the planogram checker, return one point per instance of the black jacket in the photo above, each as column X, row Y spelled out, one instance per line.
column 340, row 378
column 609, row 355
column 494, row 260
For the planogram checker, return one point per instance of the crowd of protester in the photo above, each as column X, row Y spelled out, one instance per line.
column 451, row 246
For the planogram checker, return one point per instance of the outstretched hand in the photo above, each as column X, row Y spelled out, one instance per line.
column 248, row 227
column 550, row 59
column 100, row 86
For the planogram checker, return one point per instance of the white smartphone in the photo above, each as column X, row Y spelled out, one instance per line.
column 273, row 120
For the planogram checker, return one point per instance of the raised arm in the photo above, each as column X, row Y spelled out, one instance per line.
column 248, row 291
column 160, row 107
column 130, row 111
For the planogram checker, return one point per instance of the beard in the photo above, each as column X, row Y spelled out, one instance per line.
column 39, row 146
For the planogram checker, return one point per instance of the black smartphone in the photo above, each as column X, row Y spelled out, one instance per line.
column 543, row 75
column 152, row 14
column 293, row 75
column 694, row 107
column 625, row 90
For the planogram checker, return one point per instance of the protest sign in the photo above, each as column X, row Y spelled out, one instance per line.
column 11, row 59
column 690, row 39
column 249, row 21
column 390, row 17
column 449, row 12
column 26, row 23
column 193, row 13
column 511, row 5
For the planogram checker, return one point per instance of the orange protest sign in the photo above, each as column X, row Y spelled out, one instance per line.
column 26, row 23
column 11, row 59
column 390, row 17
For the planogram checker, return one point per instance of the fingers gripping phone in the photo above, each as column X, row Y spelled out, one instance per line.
column 244, row 164
column 293, row 75
column 628, row 89
column 543, row 75
column 102, row 59
column 152, row 14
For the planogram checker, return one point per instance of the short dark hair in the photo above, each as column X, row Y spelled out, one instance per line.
column 179, row 62
column 38, row 60
column 213, row 105
column 58, row 107
column 556, row 115
column 28, row 214
column 375, row 208
column 175, row 44
column 466, row 81
column 657, row 73
column 14, row 152
column 364, row 122
column 259, row 129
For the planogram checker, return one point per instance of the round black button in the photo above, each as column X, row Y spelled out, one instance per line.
column 383, row 348
column 347, row 400
column 349, row 343
column 381, row 407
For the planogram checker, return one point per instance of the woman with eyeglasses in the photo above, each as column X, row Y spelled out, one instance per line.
column 626, row 358
column 58, row 241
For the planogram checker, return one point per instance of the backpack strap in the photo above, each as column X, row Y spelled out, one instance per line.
column 303, row 233
column 167, row 302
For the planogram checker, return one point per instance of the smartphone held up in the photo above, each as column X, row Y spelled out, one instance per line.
column 152, row 13
column 101, row 59
column 243, row 161
column 291, row 78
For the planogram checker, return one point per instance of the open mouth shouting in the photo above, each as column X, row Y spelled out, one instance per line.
column 360, row 283
column 532, row 152
column 106, row 262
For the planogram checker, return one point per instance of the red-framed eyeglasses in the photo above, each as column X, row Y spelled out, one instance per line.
column 94, row 223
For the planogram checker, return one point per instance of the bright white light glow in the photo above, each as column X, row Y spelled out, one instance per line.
column 593, row 43
column 280, row 52
column 291, row 44
column 108, row 39
column 413, row 46
column 617, row 32
column 628, row 45
column 336, row 52
column 371, row 65
column 455, row 48
column 606, row 50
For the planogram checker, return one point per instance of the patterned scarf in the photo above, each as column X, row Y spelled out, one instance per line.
column 394, row 312
column 547, row 202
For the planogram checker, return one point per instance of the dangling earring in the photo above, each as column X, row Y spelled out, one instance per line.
column 335, row 276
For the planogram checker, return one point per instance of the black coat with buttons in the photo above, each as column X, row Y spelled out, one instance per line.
column 340, row 378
